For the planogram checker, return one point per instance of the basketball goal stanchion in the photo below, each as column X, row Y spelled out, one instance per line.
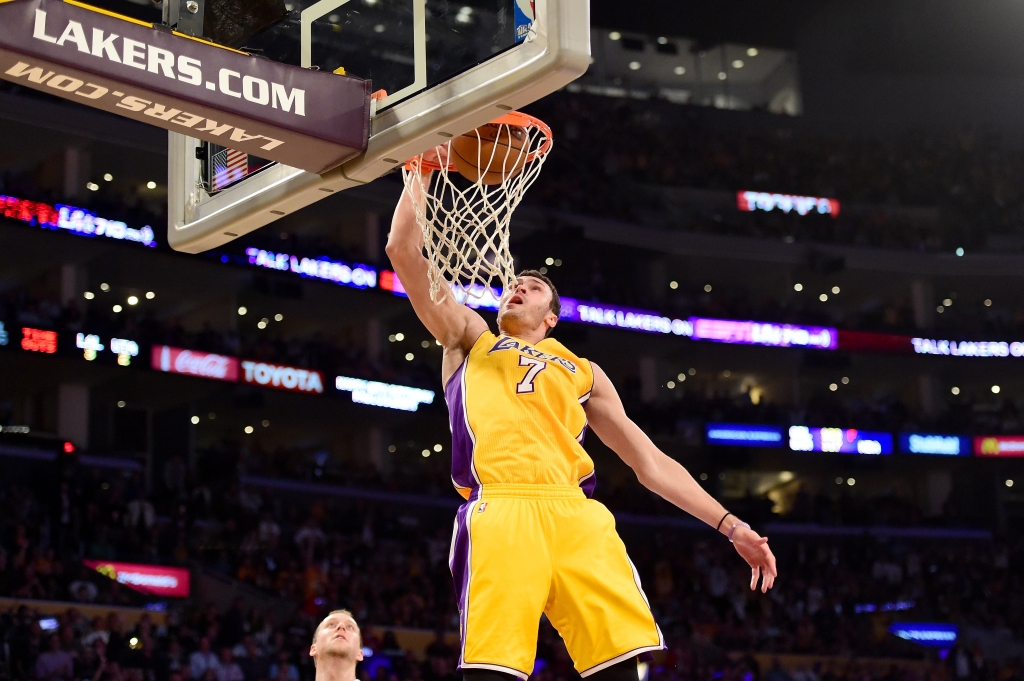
column 464, row 193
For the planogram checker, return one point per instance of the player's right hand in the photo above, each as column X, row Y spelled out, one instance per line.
column 438, row 155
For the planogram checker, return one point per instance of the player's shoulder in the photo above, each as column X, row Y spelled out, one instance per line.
column 555, row 347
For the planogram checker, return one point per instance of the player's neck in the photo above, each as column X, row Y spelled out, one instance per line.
column 335, row 670
column 532, row 336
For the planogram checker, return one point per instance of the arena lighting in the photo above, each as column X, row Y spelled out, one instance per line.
column 748, row 201
column 999, row 445
column 75, row 220
column 39, row 340
column 573, row 310
column 155, row 580
column 282, row 377
column 377, row 394
column 930, row 346
column 124, row 349
column 839, row 440
column 740, row 435
column 325, row 269
column 755, row 333
column 941, row 445
column 932, row 635
column 194, row 363
column 620, row 317
column 896, row 606
column 89, row 344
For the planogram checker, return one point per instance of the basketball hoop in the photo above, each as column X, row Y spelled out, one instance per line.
column 465, row 223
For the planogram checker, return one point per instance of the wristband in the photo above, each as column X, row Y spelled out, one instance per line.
column 719, row 525
column 734, row 529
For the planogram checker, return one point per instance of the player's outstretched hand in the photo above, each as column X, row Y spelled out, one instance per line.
column 438, row 155
column 754, row 549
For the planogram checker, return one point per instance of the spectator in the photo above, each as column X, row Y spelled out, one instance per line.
column 254, row 662
column 202, row 660
column 229, row 670
column 55, row 663
column 283, row 669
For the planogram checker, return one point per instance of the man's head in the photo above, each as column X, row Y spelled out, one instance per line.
column 532, row 305
column 337, row 637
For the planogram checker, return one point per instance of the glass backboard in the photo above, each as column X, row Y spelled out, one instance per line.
column 444, row 68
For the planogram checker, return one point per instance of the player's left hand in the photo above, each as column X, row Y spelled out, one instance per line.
column 754, row 549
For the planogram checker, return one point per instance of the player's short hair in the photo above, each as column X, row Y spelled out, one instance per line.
column 556, row 303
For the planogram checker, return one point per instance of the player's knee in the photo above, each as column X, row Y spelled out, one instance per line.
column 620, row 671
column 488, row 675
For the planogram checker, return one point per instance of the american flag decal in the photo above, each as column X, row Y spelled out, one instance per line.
column 229, row 166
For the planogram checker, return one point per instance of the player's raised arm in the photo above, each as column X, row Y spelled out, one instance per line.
column 668, row 479
column 452, row 324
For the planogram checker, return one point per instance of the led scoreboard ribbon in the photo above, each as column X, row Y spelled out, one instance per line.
column 839, row 440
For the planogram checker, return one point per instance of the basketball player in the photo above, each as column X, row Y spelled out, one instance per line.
column 337, row 647
column 529, row 539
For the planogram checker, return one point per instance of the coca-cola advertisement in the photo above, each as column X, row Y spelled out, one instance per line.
column 156, row 580
column 194, row 363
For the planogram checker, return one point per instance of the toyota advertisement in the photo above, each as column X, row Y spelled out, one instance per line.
column 282, row 377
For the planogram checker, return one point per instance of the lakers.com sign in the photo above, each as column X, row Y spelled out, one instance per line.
column 306, row 119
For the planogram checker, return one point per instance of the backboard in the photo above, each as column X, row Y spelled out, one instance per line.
column 446, row 68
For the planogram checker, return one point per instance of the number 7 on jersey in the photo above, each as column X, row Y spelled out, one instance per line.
column 525, row 386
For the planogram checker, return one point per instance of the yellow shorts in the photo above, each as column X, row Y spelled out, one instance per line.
column 522, row 550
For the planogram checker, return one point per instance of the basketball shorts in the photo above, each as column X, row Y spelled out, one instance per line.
column 522, row 550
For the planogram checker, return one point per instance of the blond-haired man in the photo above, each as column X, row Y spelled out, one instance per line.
column 337, row 647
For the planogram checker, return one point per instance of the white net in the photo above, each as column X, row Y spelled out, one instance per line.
column 465, row 220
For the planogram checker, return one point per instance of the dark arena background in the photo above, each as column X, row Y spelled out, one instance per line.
column 792, row 234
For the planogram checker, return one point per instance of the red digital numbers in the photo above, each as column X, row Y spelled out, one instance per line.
column 38, row 340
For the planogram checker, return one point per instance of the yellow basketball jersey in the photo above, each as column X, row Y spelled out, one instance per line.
column 516, row 413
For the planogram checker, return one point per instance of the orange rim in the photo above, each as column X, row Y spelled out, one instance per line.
column 516, row 118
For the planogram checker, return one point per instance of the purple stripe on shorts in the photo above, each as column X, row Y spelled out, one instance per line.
column 459, row 562
column 589, row 484
column 462, row 439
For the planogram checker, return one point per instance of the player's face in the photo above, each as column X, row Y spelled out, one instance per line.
column 526, row 307
column 338, row 637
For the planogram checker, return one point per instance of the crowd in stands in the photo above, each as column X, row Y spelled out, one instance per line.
column 613, row 155
column 680, row 414
column 608, row 148
column 22, row 306
column 388, row 564
column 687, row 411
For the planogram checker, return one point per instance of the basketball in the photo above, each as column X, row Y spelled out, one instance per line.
column 490, row 153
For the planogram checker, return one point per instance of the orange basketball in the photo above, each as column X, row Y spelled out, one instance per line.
column 490, row 153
